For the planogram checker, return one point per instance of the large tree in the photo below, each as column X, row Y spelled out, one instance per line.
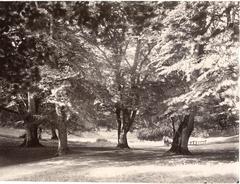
column 38, row 57
column 198, row 65
column 21, row 54
column 123, row 39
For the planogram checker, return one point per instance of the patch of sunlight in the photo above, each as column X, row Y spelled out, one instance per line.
column 27, row 169
column 11, row 132
column 54, row 163
column 111, row 136
column 135, row 144
column 82, row 139
column 219, row 139
column 12, row 172
column 182, row 170
column 63, row 163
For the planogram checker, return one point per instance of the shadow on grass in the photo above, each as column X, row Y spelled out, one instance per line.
column 11, row 153
column 114, row 156
column 108, row 154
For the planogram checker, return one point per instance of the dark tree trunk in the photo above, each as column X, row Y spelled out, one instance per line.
column 173, row 126
column 40, row 133
column 124, row 124
column 181, row 137
column 122, row 142
column 54, row 134
column 119, row 124
column 122, row 130
column 31, row 136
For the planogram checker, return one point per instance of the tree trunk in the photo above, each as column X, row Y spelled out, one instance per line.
column 31, row 138
column 122, row 142
column 62, row 130
column 124, row 125
column 119, row 124
column 181, row 137
column 173, row 126
column 40, row 133
column 62, row 141
column 54, row 134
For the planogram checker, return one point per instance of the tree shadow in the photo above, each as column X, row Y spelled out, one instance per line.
column 223, row 156
column 151, row 156
column 108, row 154
column 11, row 153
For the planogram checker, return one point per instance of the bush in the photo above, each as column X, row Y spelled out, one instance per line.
column 200, row 133
column 154, row 134
column 149, row 134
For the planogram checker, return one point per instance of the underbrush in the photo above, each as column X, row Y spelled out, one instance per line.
column 152, row 134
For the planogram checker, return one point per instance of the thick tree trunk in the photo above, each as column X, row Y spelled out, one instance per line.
column 124, row 124
column 122, row 142
column 54, row 134
column 62, row 131
column 181, row 137
column 31, row 136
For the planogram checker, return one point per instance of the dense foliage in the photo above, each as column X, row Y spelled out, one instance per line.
column 152, row 61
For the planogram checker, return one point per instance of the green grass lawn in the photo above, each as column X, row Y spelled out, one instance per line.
column 93, row 162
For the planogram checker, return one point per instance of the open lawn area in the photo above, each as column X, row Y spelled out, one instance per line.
column 101, row 161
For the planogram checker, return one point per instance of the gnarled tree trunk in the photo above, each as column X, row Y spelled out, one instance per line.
column 125, row 119
column 181, row 137
column 122, row 142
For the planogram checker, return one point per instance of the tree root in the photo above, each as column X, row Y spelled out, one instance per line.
column 177, row 152
column 122, row 146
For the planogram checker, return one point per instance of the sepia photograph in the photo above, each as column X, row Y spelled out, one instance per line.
column 119, row 91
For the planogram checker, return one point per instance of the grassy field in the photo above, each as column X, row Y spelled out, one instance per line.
column 93, row 161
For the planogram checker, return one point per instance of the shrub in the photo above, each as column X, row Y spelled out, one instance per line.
column 154, row 134
column 149, row 134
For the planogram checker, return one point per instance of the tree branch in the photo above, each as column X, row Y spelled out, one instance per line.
column 97, row 46
column 135, row 62
column 136, row 56
column 124, row 53
column 25, row 105
column 148, row 53
column 144, row 79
